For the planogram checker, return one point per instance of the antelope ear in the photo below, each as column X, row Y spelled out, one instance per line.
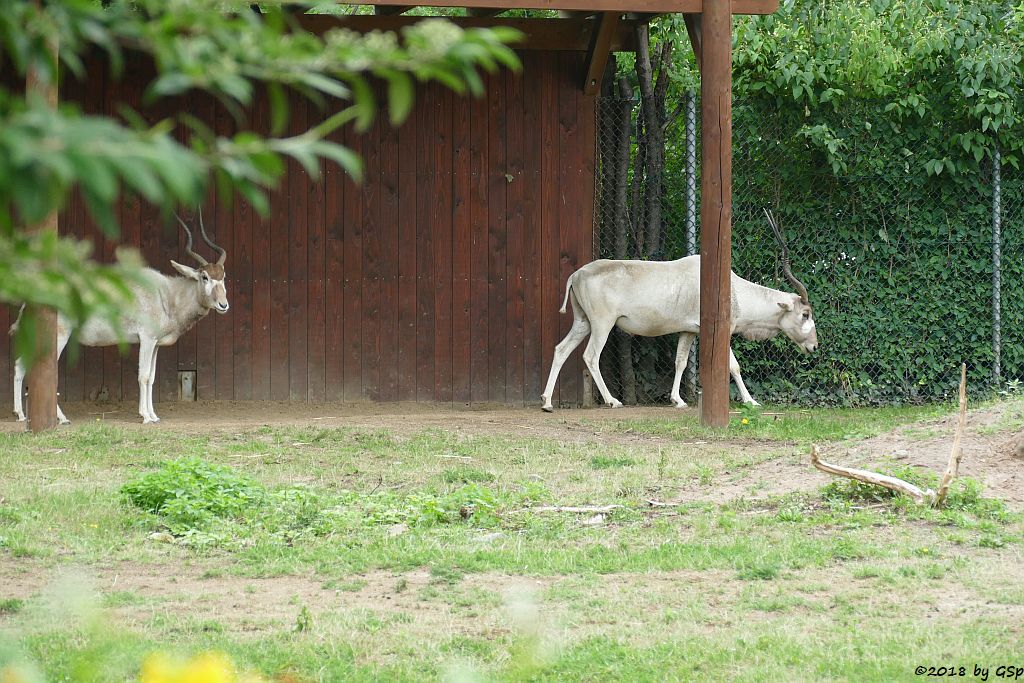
column 784, row 305
column 185, row 270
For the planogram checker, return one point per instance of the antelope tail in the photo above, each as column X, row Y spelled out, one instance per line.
column 568, row 286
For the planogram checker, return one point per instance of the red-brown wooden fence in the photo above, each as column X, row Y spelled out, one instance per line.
column 437, row 279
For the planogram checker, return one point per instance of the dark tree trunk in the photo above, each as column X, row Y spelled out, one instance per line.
column 624, row 345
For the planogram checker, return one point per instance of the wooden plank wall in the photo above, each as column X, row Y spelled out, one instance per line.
column 437, row 279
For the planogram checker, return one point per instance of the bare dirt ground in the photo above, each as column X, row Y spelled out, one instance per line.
column 990, row 453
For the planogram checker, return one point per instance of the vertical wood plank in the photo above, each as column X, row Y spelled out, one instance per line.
column 462, row 240
column 105, row 251
column 551, row 286
column 425, row 284
column 533, row 228
column 441, row 222
column 372, row 253
column 224, row 326
column 316, row 359
column 497, row 188
column 514, row 289
column 335, row 182
column 131, row 235
column 568, row 209
column 280, row 229
column 389, row 287
column 353, row 277
column 298, row 253
column 408, row 189
column 71, row 366
column 205, row 331
column 241, row 274
column 479, row 167
column 261, row 278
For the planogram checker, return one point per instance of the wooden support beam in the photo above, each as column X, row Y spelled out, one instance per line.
column 391, row 10
column 597, row 54
column 715, row 39
column 693, row 30
column 484, row 11
column 538, row 34
column 594, row 6
column 42, row 375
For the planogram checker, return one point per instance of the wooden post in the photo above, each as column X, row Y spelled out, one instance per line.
column 715, row 210
column 42, row 376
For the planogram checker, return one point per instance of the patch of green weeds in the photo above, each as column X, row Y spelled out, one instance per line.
column 760, row 570
column 204, row 504
column 467, row 475
column 11, row 605
column 604, row 462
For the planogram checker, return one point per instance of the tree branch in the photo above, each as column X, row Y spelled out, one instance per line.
column 953, row 467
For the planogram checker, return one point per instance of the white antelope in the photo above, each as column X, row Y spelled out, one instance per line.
column 159, row 314
column 651, row 298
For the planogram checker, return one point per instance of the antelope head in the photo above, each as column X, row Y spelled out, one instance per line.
column 797, row 321
column 209, row 277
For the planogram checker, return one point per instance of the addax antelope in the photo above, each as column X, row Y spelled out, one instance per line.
column 651, row 298
column 160, row 312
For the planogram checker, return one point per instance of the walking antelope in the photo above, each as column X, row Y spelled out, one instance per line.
column 651, row 298
column 160, row 312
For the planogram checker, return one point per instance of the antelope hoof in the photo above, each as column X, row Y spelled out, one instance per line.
column 615, row 403
column 64, row 421
column 548, row 409
column 21, row 418
column 752, row 402
column 679, row 403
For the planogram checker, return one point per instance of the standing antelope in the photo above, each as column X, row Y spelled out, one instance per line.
column 651, row 298
column 157, row 316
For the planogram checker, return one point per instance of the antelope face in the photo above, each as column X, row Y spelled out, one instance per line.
column 213, row 291
column 797, row 323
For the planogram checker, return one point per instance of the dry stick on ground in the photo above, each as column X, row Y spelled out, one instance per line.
column 929, row 497
column 953, row 467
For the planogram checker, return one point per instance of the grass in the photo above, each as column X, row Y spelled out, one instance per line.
column 805, row 426
column 361, row 554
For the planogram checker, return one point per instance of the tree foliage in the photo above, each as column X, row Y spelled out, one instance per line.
column 226, row 49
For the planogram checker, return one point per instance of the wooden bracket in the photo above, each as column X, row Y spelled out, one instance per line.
column 693, row 30
column 597, row 54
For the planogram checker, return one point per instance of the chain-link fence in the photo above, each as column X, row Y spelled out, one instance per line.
column 910, row 273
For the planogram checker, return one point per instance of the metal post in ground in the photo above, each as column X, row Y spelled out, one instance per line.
column 997, row 248
column 690, row 376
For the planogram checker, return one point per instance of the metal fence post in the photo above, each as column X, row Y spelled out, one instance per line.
column 997, row 246
column 690, row 376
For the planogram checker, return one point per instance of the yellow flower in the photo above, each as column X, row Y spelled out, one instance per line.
column 209, row 667
column 158, row 668
column 745, row 421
